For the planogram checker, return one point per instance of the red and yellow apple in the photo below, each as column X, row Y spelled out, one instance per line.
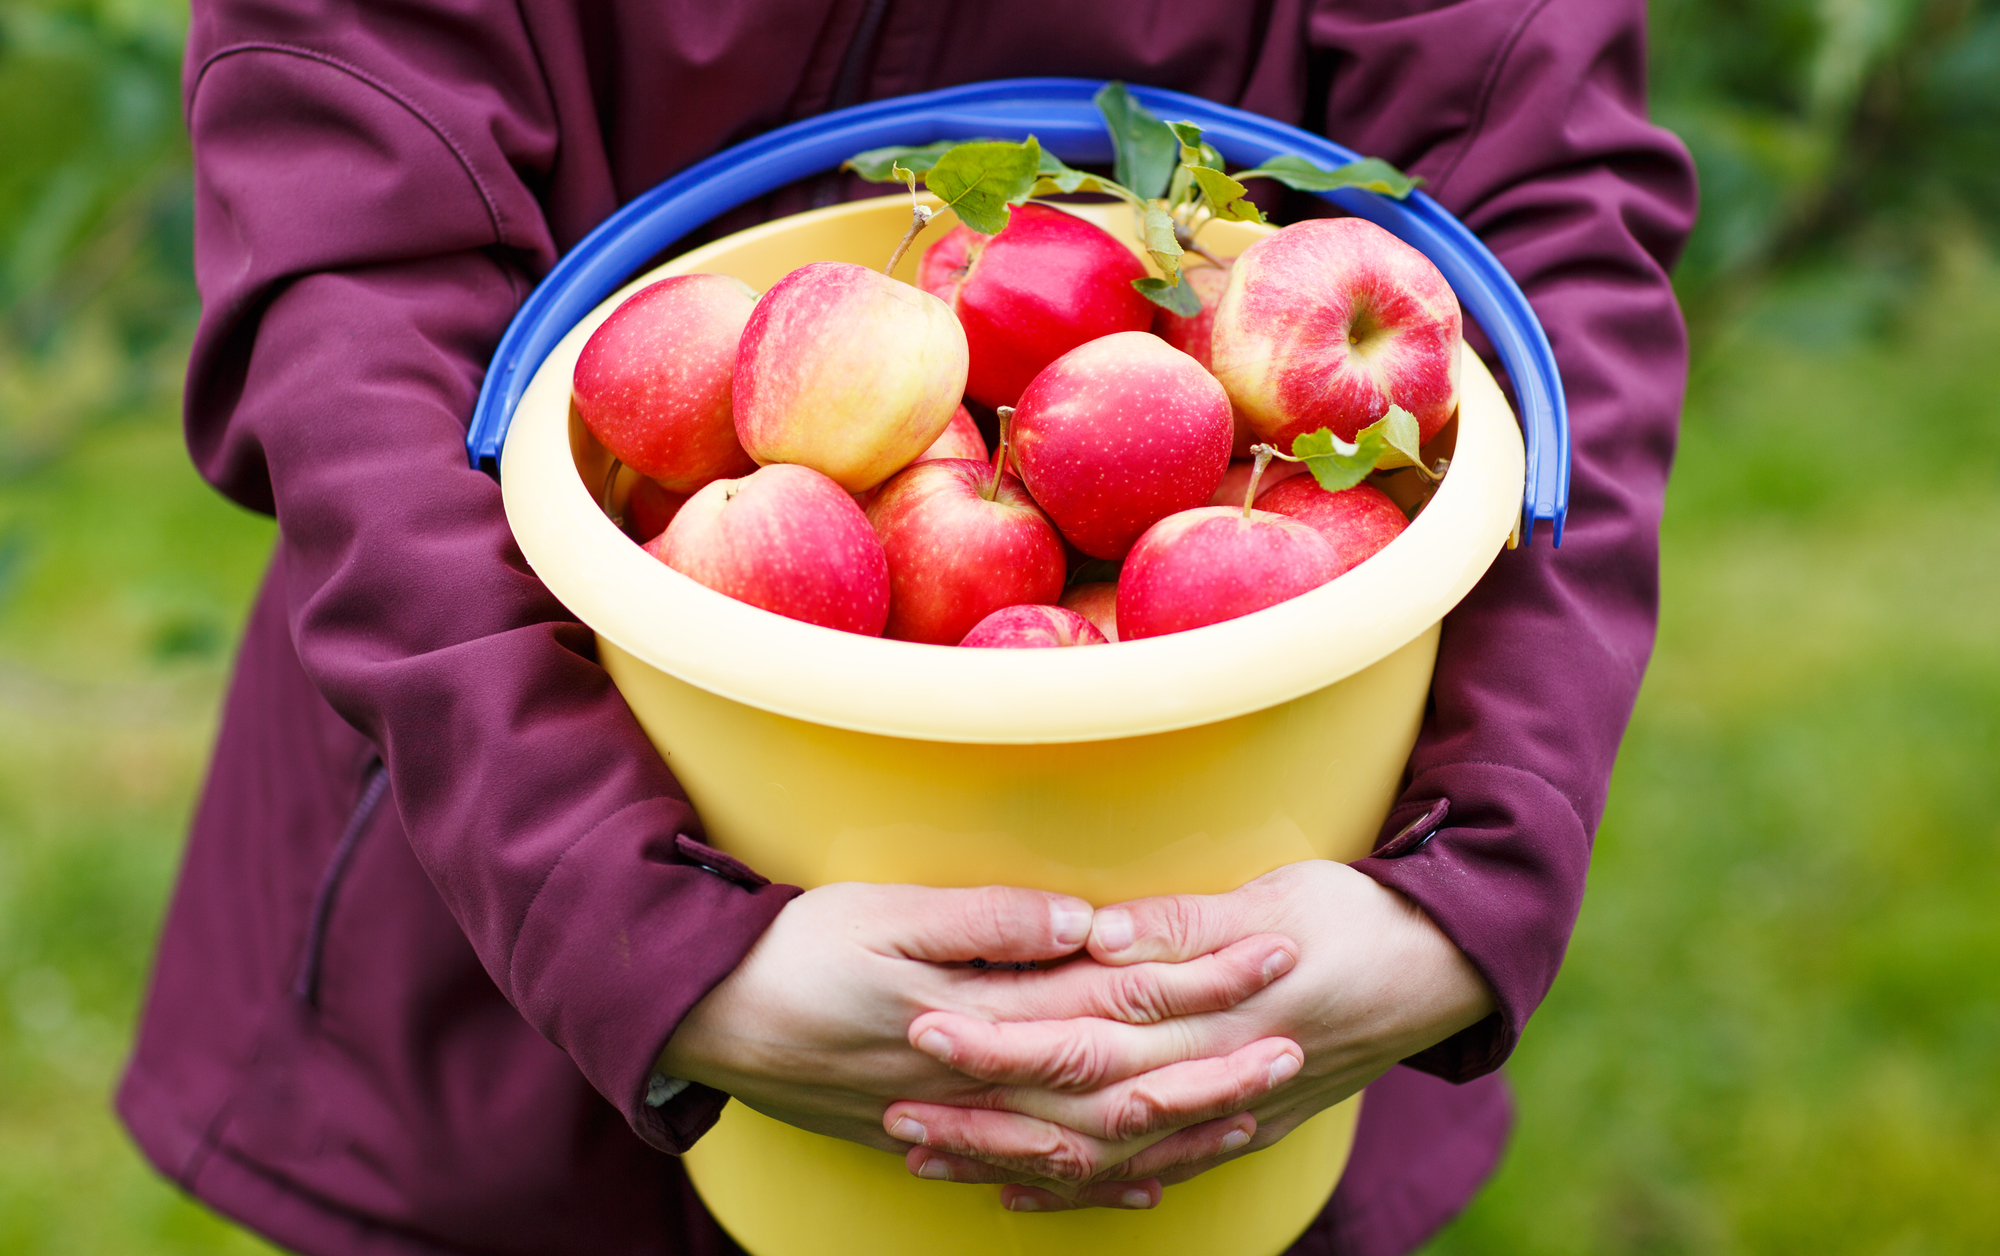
column 785, row 538
column 1118, row 434
column 653, row 382
column 1048, row 283
column 1214, row 563
column 1032, row 628
column 956, row 556
column 847, row 371
column 1096, row 601
column 1357, row 521
column 1328, row 322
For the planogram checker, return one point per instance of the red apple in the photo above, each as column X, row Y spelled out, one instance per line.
column 1048, row 283
column 785, row 538
column 1215, row 563
column 1357, row 522
column 961, row 439
column 649, row 509
column 1194, row 334
column 1096, row 602
column 653, row 381
column 955, row 556
column 1236, row 481
column 847, row 371
column 1031, row 628
column 1118, row 434
column 1328, row 322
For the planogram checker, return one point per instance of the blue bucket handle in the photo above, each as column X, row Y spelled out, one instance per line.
column 1060, row 112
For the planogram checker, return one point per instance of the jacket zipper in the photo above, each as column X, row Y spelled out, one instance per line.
column 848, row 84
column 374, row 784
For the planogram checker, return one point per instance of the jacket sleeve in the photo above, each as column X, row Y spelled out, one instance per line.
column 1527, row 118
column 356, row 269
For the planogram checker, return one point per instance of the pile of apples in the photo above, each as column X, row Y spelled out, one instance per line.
column 808, row 451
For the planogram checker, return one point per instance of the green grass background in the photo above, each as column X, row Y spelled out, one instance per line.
column 1778, row 1026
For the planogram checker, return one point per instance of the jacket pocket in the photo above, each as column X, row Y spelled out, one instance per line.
column 374, row 784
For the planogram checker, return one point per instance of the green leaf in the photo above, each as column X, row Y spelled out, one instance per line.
column 1210, row 157
column 1390, row 441
column 1225, row 196
column 981, row 179
column 1179, row 296
column 1058, row 177
column 1156, row 232
column 1404, row 438
column 1187, row 133
column 1371, row 173
column 877, row 164
column 1148, row 150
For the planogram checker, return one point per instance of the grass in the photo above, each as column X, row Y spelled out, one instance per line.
column 1776, row 1028
column 1778, row 1021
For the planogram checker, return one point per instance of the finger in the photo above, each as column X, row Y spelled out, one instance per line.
column 1022, row 1197
column 1024, row 1146
column 995, row 922
column 1165, row 1099
column 1066, row 1055
column 1142, row 994
column 1197, row 1148
column 1172, row 928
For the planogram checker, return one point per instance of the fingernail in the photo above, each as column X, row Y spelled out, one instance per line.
column 1024, row 1203
column 1282, row 1069
column 1071, row 920
column 1278, row 963
column 911, row 1132
column 1234, row 1139
column 1137, row 1199
column 934, row 1044
column 1114, row 930
column 935, row 1170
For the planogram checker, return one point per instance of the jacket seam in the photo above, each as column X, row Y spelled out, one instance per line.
column 384, row 88
column 1539, row 779
column 1486, row 91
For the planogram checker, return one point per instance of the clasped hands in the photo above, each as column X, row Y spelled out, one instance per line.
column 1153, row 1040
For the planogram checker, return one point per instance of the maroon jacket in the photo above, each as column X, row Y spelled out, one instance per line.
column 427, row 1025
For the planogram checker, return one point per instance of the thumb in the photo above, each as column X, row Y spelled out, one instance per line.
column 1170, row 928
column 999, row 923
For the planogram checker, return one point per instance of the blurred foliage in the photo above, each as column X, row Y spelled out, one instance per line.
column 1829, row 130
column 1776, row 1027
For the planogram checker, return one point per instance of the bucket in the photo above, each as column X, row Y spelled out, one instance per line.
column 1186, row 763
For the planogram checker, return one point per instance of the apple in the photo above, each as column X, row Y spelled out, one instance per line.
column 1326, row 323
column 1357, row 521
column 961, row 544
column 1118, row 434
column 1194, row 335
column 961, row 439
column 653, row 381
column 1032, row 628
column 1096, row 602
column 1236, row 481
column 650, row 508
column 847, row 371
column 785, row 538
column 1214, row 563
column 1046, row 284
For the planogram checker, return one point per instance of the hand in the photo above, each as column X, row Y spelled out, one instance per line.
column 813, row 1027
column 1375, row 983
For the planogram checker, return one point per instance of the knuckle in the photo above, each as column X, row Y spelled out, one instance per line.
column 1137, row 1112
column 1064, row 1156
column 1137, row 997
column 1078, row 1064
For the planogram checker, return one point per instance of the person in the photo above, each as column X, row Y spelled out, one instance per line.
column 448, row 966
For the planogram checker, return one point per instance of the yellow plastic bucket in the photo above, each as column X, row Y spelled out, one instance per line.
column 1188, row 763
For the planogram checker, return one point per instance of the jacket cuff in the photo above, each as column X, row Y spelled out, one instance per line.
column 635, row 925
column 1502, row 876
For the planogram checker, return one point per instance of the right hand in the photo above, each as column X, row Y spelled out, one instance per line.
column 812, row 1028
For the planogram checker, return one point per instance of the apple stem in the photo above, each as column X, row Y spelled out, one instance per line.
column 1273, row 451
column 920, row 217
column 1263, row 453
column 611, row 481
column 1006, row 416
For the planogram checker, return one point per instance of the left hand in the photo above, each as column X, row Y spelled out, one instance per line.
column 1375, row 982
